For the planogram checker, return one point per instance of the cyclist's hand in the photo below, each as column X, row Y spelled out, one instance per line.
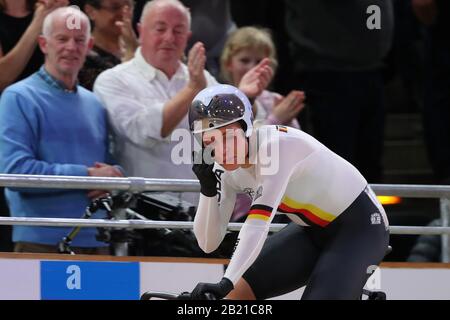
column 206, row 176
column 218, row 290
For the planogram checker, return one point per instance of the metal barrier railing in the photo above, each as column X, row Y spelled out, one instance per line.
column 152, row 224
column 445, row 238
column 134, row 184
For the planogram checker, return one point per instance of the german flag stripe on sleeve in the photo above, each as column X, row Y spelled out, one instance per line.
column 261, row 207
column 260, row 212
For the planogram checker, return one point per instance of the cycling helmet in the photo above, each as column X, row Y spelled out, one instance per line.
column 218, row 106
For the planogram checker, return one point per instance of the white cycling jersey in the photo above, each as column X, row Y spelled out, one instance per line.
column 293, row 174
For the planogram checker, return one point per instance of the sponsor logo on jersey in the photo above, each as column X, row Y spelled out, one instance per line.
column 235, row 246
column 250, row 192
column 375, row 218
column 258, row 193
column 218, row 173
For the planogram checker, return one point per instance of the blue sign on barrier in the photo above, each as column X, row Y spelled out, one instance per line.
column 80, row 280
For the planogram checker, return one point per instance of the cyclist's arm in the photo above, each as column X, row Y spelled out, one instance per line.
column 213, row 215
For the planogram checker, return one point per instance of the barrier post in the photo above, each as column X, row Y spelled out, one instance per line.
column 445, row 217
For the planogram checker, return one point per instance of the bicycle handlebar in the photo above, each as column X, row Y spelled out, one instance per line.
column 170, row 296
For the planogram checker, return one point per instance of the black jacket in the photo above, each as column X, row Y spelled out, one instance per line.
column 427, row 247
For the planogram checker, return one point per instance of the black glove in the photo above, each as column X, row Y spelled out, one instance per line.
column 207, row 178
column 218, row 290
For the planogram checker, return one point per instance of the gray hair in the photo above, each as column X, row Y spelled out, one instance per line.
column 73, row 16
column 175, row 3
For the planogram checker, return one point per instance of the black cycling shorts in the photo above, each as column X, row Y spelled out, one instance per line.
column 333, row 262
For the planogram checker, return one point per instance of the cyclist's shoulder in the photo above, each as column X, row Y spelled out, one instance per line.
column 270, row 134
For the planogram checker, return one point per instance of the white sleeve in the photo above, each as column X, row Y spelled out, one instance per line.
column 213, row 215
column 210, row 80
column 264, row 207
column 138, row 119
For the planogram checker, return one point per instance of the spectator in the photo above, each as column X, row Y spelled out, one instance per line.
column 269, row 14
column 20, row 25
column 211, row 24
column 427, row 247
column 114, row 37
column 436, row 116
column 244, row 49
column 149, row 96
column 51, row 126
column 339, row 60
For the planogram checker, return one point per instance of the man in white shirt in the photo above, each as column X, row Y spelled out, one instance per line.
column 149, row 96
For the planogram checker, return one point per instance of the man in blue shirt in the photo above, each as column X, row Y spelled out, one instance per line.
column 51, row 126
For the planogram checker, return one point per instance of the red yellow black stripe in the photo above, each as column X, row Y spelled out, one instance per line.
column 301, row 216
column 304, row 214
column 260, row 212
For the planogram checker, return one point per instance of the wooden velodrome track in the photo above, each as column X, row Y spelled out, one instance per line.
column 66, row 257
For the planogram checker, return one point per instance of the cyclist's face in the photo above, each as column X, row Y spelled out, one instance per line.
column 229, row 144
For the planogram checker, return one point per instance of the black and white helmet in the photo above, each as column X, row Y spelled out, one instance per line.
column 218, row 106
